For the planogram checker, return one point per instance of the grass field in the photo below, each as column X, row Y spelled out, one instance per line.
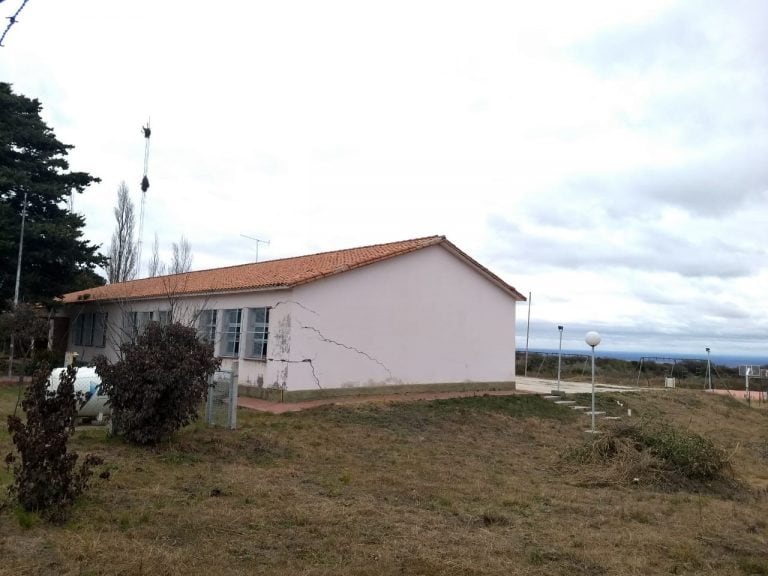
column 465, row 486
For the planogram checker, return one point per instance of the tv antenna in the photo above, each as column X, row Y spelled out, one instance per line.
column 258, row 241
column 144, row 187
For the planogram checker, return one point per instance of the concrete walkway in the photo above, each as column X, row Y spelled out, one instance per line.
column 542, row 386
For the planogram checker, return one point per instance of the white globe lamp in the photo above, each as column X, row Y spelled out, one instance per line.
column 593, row 339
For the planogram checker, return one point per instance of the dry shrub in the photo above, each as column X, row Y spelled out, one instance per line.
column 652, row 454
column 47, row 479
column 159, row 382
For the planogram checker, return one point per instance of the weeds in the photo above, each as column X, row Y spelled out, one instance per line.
column 654, row 454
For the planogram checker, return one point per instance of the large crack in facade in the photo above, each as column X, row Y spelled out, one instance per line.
column 324, row 338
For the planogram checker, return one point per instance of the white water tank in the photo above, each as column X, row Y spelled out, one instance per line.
column 87, row 382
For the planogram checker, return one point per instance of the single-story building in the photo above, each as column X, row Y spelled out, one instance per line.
column 415, row 311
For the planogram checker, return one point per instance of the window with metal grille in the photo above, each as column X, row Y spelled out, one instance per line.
column 231, row 332
column 206, row 326
column 258, row 333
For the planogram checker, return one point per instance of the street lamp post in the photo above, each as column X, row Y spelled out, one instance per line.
column 709, row 371
column 593, row 339
column 559, row 356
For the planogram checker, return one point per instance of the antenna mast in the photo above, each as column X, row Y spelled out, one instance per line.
column 144, row 187
column 258, row 241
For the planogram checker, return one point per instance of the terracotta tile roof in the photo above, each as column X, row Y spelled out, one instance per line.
column 283, row 273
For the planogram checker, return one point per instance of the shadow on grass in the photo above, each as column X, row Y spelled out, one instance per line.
column 416, row 416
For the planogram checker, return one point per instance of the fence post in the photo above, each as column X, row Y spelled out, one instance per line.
column 233, row 401
column 209, row 401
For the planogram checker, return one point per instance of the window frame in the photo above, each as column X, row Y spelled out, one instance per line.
column 77, row 334
column 207, row 325
column 89, row 326
column 100, row 322
column 257, row 334
column 230, row 333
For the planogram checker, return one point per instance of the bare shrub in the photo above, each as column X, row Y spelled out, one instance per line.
column 47, row 479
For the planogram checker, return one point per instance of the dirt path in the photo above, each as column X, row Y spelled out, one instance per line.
column 282, row 407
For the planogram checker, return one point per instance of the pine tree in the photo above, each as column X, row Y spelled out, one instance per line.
column 57, row 259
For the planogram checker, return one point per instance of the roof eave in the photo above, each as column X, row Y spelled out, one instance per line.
column 200, row 293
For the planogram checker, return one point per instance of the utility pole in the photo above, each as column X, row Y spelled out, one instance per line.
column 18, row 277
column 527, row 334
column 559, row 356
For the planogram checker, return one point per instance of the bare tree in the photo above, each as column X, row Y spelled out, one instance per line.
column 182, row 257
column 156, row 267
column 123, row 264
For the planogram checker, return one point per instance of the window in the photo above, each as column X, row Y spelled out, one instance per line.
column 206, row 326
column 162, row 316
column 100, row 330
column 87, row 331
column 231, row 332
column 77, row 336
column 139, row 322
column 258, row 333
column 90, row 329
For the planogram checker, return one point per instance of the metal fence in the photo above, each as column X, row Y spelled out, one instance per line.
column 221, row 408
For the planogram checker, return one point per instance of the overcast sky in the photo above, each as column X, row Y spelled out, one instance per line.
column 608, row 157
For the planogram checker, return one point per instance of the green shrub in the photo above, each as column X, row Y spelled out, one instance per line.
column 692, row 455
column 653, row 453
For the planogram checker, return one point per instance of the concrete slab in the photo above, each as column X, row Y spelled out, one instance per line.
column 544, row 386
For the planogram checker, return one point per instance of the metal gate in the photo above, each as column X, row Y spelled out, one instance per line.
column 221, row 408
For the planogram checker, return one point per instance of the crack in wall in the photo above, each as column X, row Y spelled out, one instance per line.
column 284, row 347
column 276, row 304
column 324, row 338
column 304, row 361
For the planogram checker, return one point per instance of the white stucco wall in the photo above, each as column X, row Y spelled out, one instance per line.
column 424, row 317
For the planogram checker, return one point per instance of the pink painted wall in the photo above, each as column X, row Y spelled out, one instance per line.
column 424, row 317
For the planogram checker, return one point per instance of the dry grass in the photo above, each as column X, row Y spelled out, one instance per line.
column 466, row 486
column 362, row 391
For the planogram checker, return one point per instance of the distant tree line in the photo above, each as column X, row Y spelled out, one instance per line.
column 688, row 372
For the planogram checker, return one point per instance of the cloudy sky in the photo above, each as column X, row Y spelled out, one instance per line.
column 608, row 157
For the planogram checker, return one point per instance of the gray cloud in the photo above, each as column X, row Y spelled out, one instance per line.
column 688, row 36
column 644, row 246
column 672, row 39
